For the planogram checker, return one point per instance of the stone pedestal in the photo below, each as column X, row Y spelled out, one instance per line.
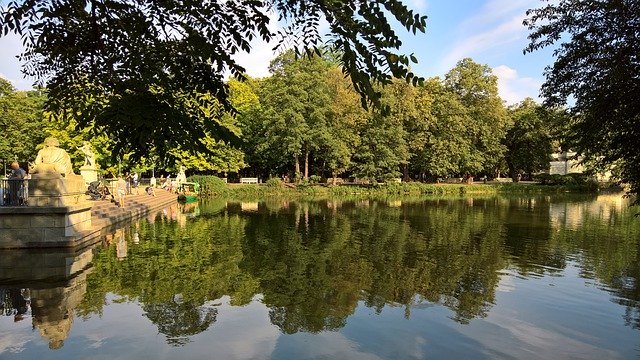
column 89, row 174
column 58, row 214
column 33, row 227
column 53, row 190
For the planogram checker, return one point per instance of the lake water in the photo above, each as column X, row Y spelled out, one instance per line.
column 523, row 277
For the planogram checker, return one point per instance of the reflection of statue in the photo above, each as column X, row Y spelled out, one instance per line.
column 89, row 156
column 52, row 159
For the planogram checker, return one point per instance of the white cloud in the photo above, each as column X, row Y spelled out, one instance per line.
column 513, row 88
column 495, row 30
column 504, row 34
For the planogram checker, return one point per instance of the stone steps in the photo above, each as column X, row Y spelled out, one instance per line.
column 106, row 213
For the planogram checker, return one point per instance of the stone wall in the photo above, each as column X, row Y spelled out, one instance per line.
column 26, row 226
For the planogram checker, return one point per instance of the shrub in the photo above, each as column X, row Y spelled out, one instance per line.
column 274, row 183
column 209, row 184
column 314, row 179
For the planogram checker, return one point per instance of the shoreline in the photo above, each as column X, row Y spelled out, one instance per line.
column 395, row 189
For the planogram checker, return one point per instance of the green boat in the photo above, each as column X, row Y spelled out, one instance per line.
column 188, row 192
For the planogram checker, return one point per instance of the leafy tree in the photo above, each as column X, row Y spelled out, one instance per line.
column 597, row 67
column 21, row 119
column 447, row 149
column 528, row 142
column 383, row 148
column 295, row 102
column 137, row 68
column 412, row 112
column 477, row 89
column 263, row 155
column 344, row 118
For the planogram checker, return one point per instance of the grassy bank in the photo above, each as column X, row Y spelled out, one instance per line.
column 213, row 186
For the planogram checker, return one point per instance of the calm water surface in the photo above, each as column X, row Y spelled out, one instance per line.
column 540, row 277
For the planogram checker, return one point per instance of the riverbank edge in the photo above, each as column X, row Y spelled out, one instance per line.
column 391, row 189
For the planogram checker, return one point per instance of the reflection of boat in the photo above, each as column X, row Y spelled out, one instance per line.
column 188, row 192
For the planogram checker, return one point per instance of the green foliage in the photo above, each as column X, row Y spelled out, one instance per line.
column 596, row 67
column 382, row 149
column 295, row 103
column 581, row 182
column 22, row 122
column 139, row 77
column 529, row 140
column 274, row 183
column 448, row 147
column 477, row 89
column 209, row 185
column 344, row 118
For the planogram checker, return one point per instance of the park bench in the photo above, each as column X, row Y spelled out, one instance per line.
column 245, row 180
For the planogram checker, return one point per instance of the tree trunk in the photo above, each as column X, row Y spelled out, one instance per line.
column 405, row 170
column 335, row 175
column 297, row 174
column 306, row 161
column 512, row 172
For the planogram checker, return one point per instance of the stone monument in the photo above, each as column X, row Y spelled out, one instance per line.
column 53, row 182
column 88, row 171
column 181, row 177
column 58, row 213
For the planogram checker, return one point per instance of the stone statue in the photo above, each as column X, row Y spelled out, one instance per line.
column 52, row 159
column 181, row 177
column 89, row 156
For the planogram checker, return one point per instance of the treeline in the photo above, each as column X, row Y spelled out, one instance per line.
column 306, row 121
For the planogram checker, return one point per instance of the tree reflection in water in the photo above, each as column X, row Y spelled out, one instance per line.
column 178, row 319
column 314, row 262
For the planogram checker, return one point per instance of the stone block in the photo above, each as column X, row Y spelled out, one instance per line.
column 53, row 234
column 22, row 236
column 43, row 220
column 15, row 221
column 89, row 174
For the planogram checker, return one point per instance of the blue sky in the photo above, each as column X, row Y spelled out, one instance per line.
column 488, row 31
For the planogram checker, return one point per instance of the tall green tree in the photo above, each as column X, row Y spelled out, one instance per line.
column 448, row 148
column 528, row 142
column 142, row 63
column 597, row 73
column 296, row 103
column 22, row 120
column 343, row 120
column 412, row 111
column 477, row 89
column 383, row 148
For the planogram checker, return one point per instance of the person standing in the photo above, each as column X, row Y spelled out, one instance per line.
column 121, row 190
column 135, row 182
column 16, row 184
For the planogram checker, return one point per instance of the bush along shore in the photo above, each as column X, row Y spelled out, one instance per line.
column 211, row 186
